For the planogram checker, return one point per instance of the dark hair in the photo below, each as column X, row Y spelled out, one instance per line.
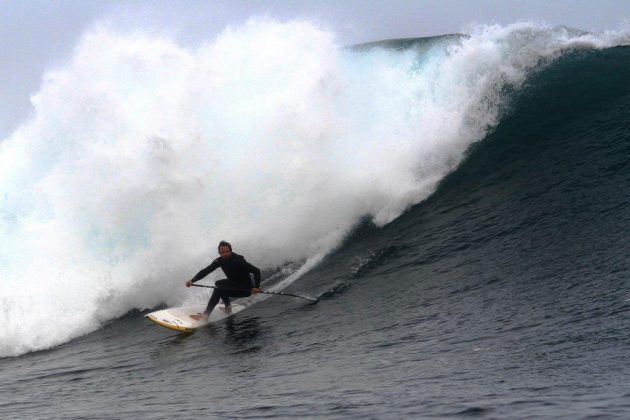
column 224, row 243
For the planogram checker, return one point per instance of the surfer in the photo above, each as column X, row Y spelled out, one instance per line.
column 237, row 284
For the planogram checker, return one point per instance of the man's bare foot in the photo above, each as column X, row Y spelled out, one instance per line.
column 199, row 317
column 226, row 309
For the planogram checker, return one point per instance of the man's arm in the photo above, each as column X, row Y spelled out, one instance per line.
column 256, row 272
column 203, row 273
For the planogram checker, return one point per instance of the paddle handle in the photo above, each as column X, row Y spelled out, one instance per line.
column 261, row 291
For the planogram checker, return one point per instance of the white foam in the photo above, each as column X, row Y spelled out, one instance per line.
column 143, row 154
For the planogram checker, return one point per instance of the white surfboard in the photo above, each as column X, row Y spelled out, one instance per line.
column 179, row 319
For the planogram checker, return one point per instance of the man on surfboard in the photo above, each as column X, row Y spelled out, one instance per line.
column 237, row 284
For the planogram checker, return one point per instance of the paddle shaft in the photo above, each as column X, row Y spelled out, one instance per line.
column 267, row 293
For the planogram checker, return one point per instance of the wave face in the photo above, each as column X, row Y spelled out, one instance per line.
column 509, row 285
column 143, row 154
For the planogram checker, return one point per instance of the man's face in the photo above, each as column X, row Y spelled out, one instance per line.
column 225, row 252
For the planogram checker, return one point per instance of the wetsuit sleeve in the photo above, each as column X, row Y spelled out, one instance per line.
column 203, row 273
column 256, row 272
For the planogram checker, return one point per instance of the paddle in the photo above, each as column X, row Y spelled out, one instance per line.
column 267, row 293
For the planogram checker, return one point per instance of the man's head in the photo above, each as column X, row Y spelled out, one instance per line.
column 225, row 250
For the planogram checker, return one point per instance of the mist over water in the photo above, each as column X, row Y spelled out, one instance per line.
column 143, row 154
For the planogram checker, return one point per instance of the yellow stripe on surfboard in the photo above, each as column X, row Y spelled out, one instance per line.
column 166, row 324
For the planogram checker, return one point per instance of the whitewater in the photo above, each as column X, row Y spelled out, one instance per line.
column 142, row 153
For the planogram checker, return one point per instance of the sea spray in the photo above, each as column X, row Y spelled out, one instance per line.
column 142, row 154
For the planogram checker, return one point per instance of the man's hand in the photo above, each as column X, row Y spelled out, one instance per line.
column 189, row 283
column 255, row 290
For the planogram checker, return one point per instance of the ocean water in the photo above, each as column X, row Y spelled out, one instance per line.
column 458, row 204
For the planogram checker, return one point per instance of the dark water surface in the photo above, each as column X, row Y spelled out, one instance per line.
column 504, row 295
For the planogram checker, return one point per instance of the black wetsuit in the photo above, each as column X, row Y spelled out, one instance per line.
column 238, row 280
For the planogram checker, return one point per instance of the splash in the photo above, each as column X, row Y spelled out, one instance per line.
column 143, row 154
